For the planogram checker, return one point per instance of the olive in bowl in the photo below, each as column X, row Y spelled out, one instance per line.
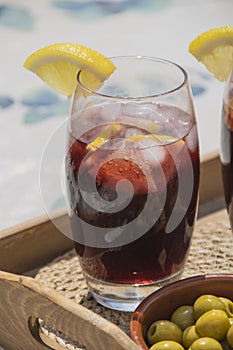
column 163, row 303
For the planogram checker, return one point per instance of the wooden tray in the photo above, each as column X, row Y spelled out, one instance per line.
column 24, row 301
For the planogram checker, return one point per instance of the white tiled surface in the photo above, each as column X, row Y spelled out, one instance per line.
column 161, row 28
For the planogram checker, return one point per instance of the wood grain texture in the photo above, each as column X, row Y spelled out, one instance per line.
column 32, row 244
column 24, row 300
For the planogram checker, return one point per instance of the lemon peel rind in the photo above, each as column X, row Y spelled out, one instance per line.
column 205, row 40
column 51, row 58
column 54, row 53
column 214, row 48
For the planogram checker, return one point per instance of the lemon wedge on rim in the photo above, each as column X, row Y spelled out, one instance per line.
column 214, row 48
column 58, row 65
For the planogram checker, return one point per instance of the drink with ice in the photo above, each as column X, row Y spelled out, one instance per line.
column 132, row 169
column 151, row 163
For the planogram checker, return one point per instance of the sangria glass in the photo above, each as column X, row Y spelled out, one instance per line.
column 132, row 170
column 226, row 149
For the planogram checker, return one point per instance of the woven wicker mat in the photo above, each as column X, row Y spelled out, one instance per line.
column 211, row 252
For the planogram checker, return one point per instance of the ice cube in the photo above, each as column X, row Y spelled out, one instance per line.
column 154, row 156
column 135, row 109
column 144, row 126
column 182, row 124
column 110, row 111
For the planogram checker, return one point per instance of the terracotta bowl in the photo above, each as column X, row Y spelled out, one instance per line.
column 161, row 304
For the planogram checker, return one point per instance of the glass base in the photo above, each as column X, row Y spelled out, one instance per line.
column 124, row 297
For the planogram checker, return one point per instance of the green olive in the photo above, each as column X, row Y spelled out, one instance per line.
column 230, row 335
column 231, row 320
column 167, row 345
column 205, row 303
column 213, row 324
column 183, row 316
column 229, row 305
column 189, row 335
column 163, row 330
column 205, row 344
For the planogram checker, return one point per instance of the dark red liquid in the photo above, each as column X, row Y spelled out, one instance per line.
column 156, row 254
column 227, row 157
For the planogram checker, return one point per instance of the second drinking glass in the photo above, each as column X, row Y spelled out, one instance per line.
column 132, row 170
column 226, row 149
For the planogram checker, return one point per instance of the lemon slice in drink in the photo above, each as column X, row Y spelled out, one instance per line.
column 58, row 64
column 150, row 140
column 214, row 48
column 104, row 136
column 163, row 139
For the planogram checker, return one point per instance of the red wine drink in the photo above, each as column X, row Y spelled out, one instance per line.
column 139, row 158
column 132, row 171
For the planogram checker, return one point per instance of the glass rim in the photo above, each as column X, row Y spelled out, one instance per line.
column 131, row 98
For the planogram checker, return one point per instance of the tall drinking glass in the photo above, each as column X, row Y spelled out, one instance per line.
column 226, row 149
column 132, row 169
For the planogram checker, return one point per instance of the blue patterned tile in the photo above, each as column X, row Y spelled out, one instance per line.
column 5, row 101
column 41, row 97
column 38, row 114
column 43, row 104
column 16, row 17
column 98, row 9
column 200, row 81
column 198, row 90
